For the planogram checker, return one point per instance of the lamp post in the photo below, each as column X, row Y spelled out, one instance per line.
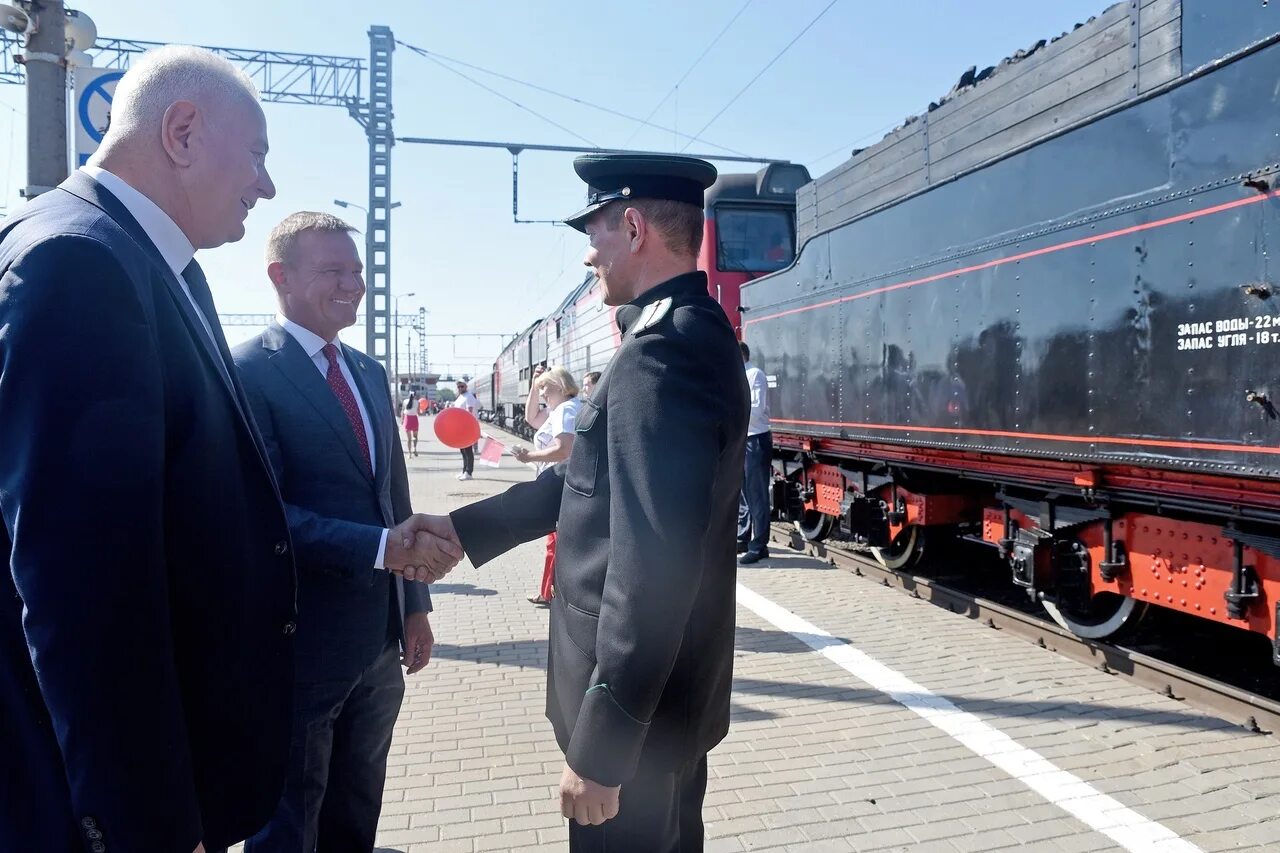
column 395, row 350
column 340, row 203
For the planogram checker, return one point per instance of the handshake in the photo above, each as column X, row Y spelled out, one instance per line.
column 422, row 548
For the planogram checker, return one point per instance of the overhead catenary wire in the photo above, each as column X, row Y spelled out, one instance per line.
column 508, row 99
column 848, row 146
column 442, row 60
column 674, row 89
column 761, row 72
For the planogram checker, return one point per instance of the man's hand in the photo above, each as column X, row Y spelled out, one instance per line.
column 587, row 802
column 521, row 454
column 418, row 641
column 422, row 548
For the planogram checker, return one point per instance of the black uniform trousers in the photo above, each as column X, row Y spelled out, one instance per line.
column 658, row 813
column 469, row 459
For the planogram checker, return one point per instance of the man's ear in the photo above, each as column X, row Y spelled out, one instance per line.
column 275, row 272
column 636, row 227
column 179, row 128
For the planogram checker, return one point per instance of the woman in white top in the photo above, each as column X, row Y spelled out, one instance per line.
column 551, row 444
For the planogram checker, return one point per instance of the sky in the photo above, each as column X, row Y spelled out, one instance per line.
column 856, row 73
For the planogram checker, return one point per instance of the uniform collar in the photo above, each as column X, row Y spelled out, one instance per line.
column 688, row 284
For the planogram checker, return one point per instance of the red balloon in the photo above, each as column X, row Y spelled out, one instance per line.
column 457, row 428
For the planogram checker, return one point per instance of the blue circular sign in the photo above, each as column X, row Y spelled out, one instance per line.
column 96, row 89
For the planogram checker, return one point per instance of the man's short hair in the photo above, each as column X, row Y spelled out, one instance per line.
column 746, row 350
column 679, row 225
column 592, row 376
column 161, row 77
column 285, row 235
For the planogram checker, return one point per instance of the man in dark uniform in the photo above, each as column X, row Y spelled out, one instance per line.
column 640, row 659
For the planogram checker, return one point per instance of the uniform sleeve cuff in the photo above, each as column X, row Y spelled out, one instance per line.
column 382, row 550
column 606, row 742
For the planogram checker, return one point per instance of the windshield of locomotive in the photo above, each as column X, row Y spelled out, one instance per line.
column 754, row 239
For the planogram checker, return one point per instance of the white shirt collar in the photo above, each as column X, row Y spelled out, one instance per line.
column 311, row 342
column 174, row 246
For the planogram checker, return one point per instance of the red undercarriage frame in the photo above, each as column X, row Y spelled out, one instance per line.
column 1181, row 565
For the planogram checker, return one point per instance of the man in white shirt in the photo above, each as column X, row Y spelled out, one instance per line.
column 753, row 506
column 467, row 400
column 327, row 421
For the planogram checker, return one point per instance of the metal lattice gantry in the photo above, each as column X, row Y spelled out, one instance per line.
column 283, row 78
column 376, row 115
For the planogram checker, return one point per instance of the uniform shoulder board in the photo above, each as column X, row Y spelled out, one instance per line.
column 652, row 314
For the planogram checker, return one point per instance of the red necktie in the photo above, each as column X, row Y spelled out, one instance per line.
column 342, row 391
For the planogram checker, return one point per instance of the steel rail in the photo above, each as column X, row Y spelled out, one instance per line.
column 1252, row 712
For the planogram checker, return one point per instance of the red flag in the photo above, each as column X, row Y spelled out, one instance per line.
column 490, row 451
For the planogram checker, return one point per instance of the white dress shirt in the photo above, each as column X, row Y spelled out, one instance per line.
column 468, row 401
column 313, row 345
column 759, row 384
column 174, row 246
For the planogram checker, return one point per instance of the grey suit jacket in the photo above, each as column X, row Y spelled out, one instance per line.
column 336, row 509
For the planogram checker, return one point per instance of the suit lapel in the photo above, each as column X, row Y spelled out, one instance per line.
column 378, row 407
column 215, row 352
column 292, row 361
column 81, row 185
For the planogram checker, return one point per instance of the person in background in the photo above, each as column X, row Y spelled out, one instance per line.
column 753, row 503
column 411, row 423
column 467, row 400
column 552, row 443
column 589, row 381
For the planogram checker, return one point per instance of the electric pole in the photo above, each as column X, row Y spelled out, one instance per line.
column 45, row 62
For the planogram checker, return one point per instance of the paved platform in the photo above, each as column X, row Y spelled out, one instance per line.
column 863, row 720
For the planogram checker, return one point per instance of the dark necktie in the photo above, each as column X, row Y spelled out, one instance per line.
column 206, row 312
column 343, row 392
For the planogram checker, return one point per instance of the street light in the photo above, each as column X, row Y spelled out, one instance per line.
column 395, row 350
column 340, row 203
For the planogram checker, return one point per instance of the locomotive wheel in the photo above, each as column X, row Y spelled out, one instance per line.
column 905, row 551
column 815, row 526
column 1105, row 615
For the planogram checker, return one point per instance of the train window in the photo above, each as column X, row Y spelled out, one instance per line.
column 754, row 239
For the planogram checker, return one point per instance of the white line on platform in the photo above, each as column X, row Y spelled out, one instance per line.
column 1069, row 792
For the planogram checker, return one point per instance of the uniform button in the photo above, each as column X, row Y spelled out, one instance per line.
column 281, row 547
column 88, row 822
column 93, row 835
column 290, row 627
column 98, row 847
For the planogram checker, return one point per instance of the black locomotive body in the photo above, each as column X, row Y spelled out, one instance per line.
column 1055, row 324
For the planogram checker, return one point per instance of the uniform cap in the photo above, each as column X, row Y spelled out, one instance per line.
column 658, row 176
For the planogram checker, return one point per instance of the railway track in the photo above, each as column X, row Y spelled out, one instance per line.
column 1251, row 711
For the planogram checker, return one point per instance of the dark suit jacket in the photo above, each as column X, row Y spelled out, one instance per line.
column 640, row 660
column 146, row 619
column 337, row 511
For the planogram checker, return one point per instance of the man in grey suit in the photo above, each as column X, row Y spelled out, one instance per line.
column 327, row 420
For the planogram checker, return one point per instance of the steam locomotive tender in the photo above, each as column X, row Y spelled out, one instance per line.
column 1044, row 315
